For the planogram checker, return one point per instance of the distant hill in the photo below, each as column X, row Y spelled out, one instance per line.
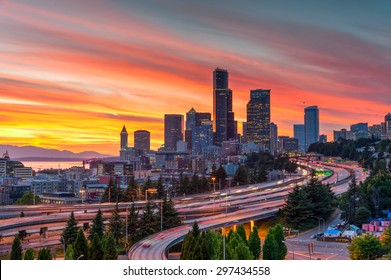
column 16, row 152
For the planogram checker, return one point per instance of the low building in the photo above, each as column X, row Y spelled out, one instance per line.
column 376, row 225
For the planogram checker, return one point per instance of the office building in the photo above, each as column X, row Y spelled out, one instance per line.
column 387, row 122
column 142, row 141
column 173, row 131
column 323, row 138
column 375, row 130
column 290, row 145
column 223, row 115
column 360, row 130
column 311, row 123
column 202, row 136
column 258, row 118
column 124, row 138
column 273, row 138
column 299, row 134
column 244, row 132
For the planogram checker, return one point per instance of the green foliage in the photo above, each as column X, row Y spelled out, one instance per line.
column 362, row 216
column 29, row 254
column 254, row 243
column 241, row 232
column 278, row 233
column 95, row 251
column 22, row 234
column 131, row 190
column 28, row 199
column 44, row 254
column 133, row 224
column 16, row 251
column 116, row 226
column 69, row 233
column 111, row 193
column 349, row 202
column 148, row 223
column 236, row 248
column 110, row 251
column 161, row 192
column 366, row 247
column 386, row 239
column 170, row 215
column 270, row 247
column 211, row 245
column 240, row 177
column 98, row 226
column 70, row 253
column 80, row 246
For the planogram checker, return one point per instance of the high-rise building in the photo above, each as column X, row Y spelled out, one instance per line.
column 273, row 138
column 244, row 132
column 173, row 131
column 200, row 117
column 299, row 134
column 375, row 130
column 223, row 115
column 311, row 123
column 124, row 139
column 190, row 124
column 290, row 145
column 258, row 118
column 387, row 121
column 202, row 137
column 323, row 138
column 360, row 130
column 339, row 134
column 142, row 141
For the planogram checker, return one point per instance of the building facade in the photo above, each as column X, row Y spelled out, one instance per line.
column 173, row 131
column 142, row 141
column 311, row 124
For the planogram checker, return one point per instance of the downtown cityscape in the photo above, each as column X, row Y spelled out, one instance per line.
column 155, row 134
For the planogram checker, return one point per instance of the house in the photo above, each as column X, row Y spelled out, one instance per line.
column 378, row 225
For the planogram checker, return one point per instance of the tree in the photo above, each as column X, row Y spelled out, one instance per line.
column 240, row 177
column 131, row 190
column 28, row 199
column 98, row 226
column 148, row 223
column 170, row 215
column 161, row 192
column 44, row 254
column 220, row 175
column 349, row 202
column 69, row 254
column 278, row 233
column 298, row 209
column 16, row 251
column 21, row 214
column 69, row 233
column 187, row 246
column 95, row 251
column 270, row 247
column 242, row 233
column 386, row 239
column 111, row 193
column 210, row 245
column 29, row 254
column 254, row 243
column 110, row 251
column 236, row 248
column 133, row 224
column 80, row 246
column 115, row 224
column 22, row 234
column 366, row 247
column 362, row 216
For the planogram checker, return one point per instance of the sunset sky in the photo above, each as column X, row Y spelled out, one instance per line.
column 73, row 72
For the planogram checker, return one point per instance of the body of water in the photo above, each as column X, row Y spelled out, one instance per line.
column 39, row 165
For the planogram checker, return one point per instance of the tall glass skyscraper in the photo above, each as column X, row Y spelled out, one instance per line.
column 258, row 118
column 173, row 131
column 311, row 124
column 222, row 107
column 299, row 134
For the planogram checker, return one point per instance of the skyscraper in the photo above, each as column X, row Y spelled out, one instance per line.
column 142, row 141
column 387, row 121
column 222, row 107
column 311, row 123
column 273, row 138
column 299, row 134
column 173, row 131
column 258, row 118
column 244, row 132
column 124, row 139
column 190, row 124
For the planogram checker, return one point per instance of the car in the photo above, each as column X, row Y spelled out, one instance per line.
column 319, row 234
column 146, row 245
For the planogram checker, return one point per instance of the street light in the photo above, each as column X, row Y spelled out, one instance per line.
column 80, row 257
column 214, row 190
column 126, row 230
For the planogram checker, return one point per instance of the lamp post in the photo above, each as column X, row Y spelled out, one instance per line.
column 126, row 230
column 161, row 215
column 214, row 190
column 80, row 257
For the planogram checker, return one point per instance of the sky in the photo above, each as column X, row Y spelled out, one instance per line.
column 72, row 73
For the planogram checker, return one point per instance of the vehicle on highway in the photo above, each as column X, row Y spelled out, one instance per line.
column 146, row 245
column 319, row 234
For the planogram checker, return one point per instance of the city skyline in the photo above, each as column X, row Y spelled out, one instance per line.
column 71, row 76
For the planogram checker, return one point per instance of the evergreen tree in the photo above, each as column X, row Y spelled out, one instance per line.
column 131, row 190
column 161, row 192
column 196, row 230
column 170, row 215
column 29, row 254
column 362, row 216
column 278, row 233
column 69, row 233
column 221, row 175
column 98, row 226
column 95, row 251
column 69, row 254
column 349, row 202
column 110, row 249
column 298, row 210
column 147, row 184
column 262, row 174
column 242, row 233
column 111, row 193
column 115, row 224
column 210, row 243
column 194, row 185
column 147, row 224
column 254, row 243
column 236, row 248
column 44, row 254
column 133, row 225
column 196, row 253
column 80, row 246
column 240, row 177
column 270, row 247
column 22, row 234
column 16, row 251
column 186, row 246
